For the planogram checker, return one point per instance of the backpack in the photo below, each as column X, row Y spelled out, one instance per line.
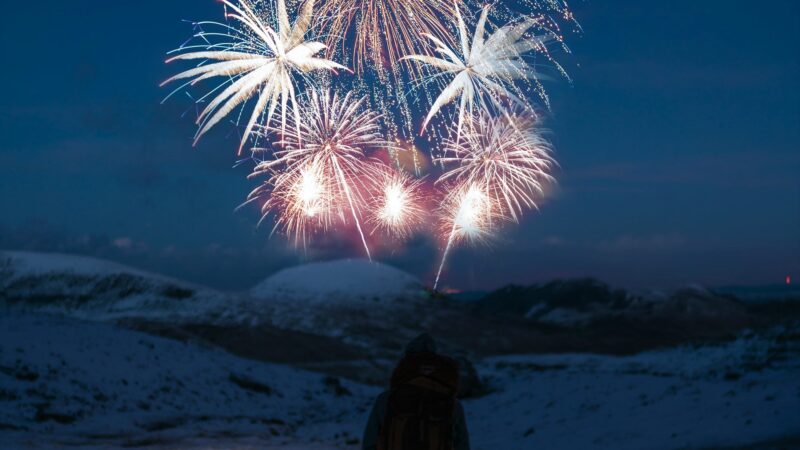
column 420, row 411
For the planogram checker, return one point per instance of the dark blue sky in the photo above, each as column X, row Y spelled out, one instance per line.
column 679, row 145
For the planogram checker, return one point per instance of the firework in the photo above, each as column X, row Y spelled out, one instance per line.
column 506, row 156
column 485, row 72
column 325, row 162
column 383, row 31
column 372, row 36
column 320, row 174
column 468, row 215
column 501, row 164
column 253, row 57
column 300, row 199
column 397, row 205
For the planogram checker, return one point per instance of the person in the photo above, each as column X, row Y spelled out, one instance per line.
column 420, row 410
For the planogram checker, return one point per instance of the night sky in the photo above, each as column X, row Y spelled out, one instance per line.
column 679, row 145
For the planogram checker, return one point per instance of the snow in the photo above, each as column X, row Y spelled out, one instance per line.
column 122, row 388
column 100, row 290
column 69, row 382
column 692, row 302
column 337, row 298
column 322, row 298
column 350, row 280
column 27, row 264
column 711, row 397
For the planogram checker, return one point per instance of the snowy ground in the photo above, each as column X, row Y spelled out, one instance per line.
column 743, row 393
column 65, row 382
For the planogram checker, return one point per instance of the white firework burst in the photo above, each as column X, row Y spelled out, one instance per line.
column 397, row 206
column 485, row 70
column 253, row 58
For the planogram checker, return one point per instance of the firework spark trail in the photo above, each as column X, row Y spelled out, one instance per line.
column 470, row 218
column 349, row 196
column 255, row 57
column 331, row 142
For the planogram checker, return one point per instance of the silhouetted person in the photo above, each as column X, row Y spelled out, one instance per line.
column 420, row 410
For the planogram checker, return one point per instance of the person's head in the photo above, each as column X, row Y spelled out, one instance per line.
column 423, row 343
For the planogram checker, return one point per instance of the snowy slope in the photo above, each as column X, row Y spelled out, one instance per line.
column 69, row 382
column 356, row 281
column 734, row 395
column 99, row 290
column 338, row 298
column 27, row 264
column 93, row 289
column 581, row 302
column 362, row 303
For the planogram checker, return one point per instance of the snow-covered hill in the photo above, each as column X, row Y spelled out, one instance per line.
column 295, row 298
column 350, row 317
column 346, row 307
column 98, row 290
column 333, row 298
column 354, row 281
column 577, row 303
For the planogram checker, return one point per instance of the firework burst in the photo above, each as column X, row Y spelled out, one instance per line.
column 500, row 167
column 372, row 36
column 252, row 57
column 485, row 70
column 335, row 161
column 505, row 156
column 320, row 174
column 397, row 204
column 383, row 31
